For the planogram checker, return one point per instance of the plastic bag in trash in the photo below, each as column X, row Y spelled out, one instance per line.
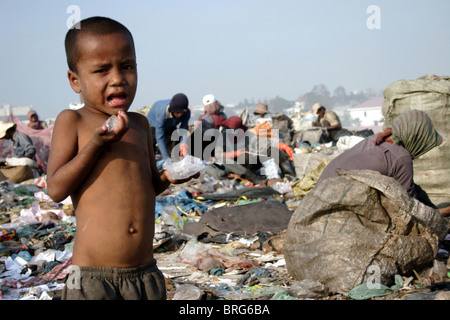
column 188, row 292
column 270, row 169
column 184, row 168
column 169, row 215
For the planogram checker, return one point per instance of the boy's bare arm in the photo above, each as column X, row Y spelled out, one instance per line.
column 67, row 168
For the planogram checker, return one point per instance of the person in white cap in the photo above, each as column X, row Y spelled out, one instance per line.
column 22, row 144
column 213, row 106
column 23, row 147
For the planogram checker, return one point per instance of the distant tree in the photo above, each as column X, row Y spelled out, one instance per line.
column 339, row 96
column 279, row 104
column 357, row 97
column 319, row 93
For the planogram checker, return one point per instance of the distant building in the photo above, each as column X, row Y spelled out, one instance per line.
column 19, row 112
column 368, row 113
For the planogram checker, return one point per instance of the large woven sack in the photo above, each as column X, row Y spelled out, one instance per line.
column 357, row 221
column 305, row 162
column 430, row 94
column 312, row 135
column 283, row 124
column 16, row 174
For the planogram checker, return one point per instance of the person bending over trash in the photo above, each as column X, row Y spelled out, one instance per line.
column 392, row 152
column 22, row 143
column 238, row 150
column 23, row 166
column 166, row 116
column 329, row 120
column 109, row 172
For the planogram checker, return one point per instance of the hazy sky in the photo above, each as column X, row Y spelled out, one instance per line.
column 234, row 49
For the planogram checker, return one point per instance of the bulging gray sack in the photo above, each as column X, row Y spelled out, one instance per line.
column 430, row 94
column 350, row 226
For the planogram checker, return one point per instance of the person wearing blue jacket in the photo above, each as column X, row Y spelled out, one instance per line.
column 165, row 116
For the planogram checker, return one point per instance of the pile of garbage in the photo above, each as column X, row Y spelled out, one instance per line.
column 35, row 242
column 214, row 239
column 227, row 241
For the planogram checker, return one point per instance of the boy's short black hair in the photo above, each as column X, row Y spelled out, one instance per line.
column 94, row 25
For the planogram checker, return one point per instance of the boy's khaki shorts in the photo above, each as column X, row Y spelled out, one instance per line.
column 144, row 282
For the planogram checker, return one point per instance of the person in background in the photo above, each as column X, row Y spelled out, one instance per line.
column 212, row 110
column 260, row 112
column 166, row 116
column 213, row 106
column 22, row 144
column 22, row 148
column 329, row 120
column 392, row 152
column 34, row 122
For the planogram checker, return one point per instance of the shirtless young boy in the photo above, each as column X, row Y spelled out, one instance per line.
column 111, row 176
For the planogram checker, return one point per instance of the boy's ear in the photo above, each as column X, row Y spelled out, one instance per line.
column 74, row 81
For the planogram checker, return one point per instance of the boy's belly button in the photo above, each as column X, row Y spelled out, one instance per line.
column 132, row 230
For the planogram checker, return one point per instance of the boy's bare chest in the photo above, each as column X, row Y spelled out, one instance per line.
column 135, row 139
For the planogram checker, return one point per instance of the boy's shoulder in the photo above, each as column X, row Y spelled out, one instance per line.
column 138, row 117
column 69, row 115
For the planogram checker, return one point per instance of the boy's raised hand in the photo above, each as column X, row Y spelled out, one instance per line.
column 102, row 135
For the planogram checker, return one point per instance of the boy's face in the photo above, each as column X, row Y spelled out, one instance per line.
column 106, row 72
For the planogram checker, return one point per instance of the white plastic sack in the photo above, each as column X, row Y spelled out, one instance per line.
column 348, row 142
column 184, row 168
column 16, row 162
column 270, row 169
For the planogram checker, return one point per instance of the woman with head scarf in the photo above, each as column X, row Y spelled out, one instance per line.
column 392, row 152
column 34, row 122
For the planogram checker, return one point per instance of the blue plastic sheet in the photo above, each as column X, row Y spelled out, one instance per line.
column 183, row 201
